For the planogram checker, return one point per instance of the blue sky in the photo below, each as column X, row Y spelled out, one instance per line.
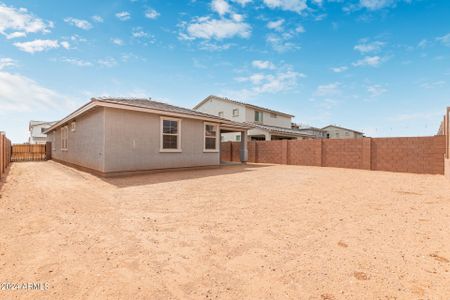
column 380, row 66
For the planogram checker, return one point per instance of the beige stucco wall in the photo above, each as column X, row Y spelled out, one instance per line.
column 214, row 106
column 279, row 121
column 339, row 133
column 85, row 144
column 132, row 143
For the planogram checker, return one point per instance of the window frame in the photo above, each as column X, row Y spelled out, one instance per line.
column 237, row 112
column 217, row 125
column 220, row 114
column 258, row 112
column 73, row 126
column 65, row 138
column 161, row 134
column 53, row 140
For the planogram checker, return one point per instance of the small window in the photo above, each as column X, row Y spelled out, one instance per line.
column 238, row 138
column 54, row 140
column 347, row 133
column 258, row 116
column 211, row 137
column 64, row 138
column 170, row 135
column 272, row 115
column 221, row 114
column 73, row 126
column 43, row 129
column 235, row 112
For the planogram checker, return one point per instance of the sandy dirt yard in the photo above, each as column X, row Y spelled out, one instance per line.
column 239, row 232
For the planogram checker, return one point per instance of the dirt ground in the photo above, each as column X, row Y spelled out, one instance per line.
column 240, row 232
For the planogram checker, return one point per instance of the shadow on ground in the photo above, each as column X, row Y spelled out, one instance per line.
column 170, row 176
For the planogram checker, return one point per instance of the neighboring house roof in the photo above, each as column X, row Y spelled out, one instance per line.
column 343, row 128
column 311, row 128
column 241, row 103
column 38, row 123
column 282, row 130
column 150, row 106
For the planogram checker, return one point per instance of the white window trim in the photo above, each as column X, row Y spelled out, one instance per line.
column 217, row 137
column 54, row 140
column 65, row 136
column 161, row 149
column 73, row 126
column 237, row 110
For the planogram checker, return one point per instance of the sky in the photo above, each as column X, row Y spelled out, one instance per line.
column 378, row 66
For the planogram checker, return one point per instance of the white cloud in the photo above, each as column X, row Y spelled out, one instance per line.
column 108, row 62
column 151, row 14
column 242, row 2
column 276, row 25
column 97, row 19
column 117, row 41
column 339, row 69
column 433, row 84
column 19, row 93
column 282, row 42
column 138, row 32
column 219, row 29
column 18, row 22
column 445, row 39
column 263, row 64
column 220, row 6
column 328, row 90
column 65, row 44
column 369, row 47
column 76, row 62
column 6, row 62
column 276, row 81
column 372, row 61
column 376, row 4
column 82, row 24
column 300, row 29
column 37, row 45
column 123, row 15
column 291, row 5
column 376, row 90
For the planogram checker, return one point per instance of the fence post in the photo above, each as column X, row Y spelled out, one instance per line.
column 2, row 150
column 366, row 154
column 284, row 152
column 48, row 151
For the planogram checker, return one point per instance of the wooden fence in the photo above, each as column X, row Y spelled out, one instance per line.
column 27, row 152
column 5, row 153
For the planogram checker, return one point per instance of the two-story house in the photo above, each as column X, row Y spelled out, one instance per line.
column 37, row 128
column 268, row 124
column 337, row 132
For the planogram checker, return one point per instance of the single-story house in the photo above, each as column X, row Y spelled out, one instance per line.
column 118, row 135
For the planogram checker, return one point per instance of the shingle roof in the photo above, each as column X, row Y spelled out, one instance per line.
column 283, row 130
column 156, row 105
column 241, row 103
column 152, row 106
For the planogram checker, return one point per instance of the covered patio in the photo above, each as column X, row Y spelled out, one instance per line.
column 242, row 129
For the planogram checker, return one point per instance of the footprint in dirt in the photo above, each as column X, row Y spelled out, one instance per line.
column 361, row 276
column 327, row 297
column 439, row 258
column 342, row 244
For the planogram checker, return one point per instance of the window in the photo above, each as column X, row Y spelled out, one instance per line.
column 170, row 135
column 235, row 112
column 73, row 126
column 64, row 138
column 54, row 141
column 272, row 115
column 211, row 137
column 43, row 129
column 221, row 114
column 238, row 138
column 258, row 116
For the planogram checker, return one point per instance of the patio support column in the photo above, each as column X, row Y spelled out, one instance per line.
column 244, row 150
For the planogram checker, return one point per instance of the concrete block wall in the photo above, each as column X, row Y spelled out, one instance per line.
column 422, row 155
